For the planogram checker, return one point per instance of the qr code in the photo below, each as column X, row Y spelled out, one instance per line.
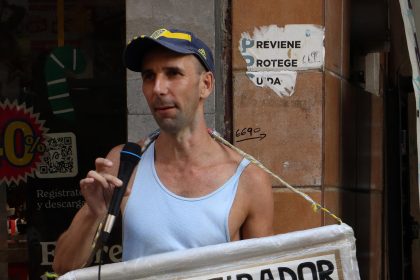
column 60, row 158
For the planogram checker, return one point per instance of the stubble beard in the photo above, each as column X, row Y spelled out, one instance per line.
column 171, row 125
column 180, row 121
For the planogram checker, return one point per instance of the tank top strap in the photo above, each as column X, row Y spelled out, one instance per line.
column 242, row 165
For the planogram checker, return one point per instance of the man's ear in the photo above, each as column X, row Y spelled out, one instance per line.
column 206, row 84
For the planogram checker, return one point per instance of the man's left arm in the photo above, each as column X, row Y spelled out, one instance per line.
column 260, row 218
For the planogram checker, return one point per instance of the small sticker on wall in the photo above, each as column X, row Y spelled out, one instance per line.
column 272, row 54
column 60, row 159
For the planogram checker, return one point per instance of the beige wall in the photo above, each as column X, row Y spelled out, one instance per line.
column 293, row 146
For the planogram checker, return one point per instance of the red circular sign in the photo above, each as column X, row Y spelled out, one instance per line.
column 21, row 142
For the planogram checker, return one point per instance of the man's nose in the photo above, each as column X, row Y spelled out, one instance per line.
column 160, row 85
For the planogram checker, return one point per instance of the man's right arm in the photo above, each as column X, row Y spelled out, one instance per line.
column 74, row 247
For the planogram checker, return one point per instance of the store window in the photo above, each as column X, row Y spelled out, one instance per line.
column 62, row 104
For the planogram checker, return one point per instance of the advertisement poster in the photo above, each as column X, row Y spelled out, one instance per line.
column 61, row 106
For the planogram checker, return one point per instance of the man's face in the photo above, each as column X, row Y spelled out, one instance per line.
column 173, row 85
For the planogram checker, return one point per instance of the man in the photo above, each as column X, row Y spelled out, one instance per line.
column 188, row 190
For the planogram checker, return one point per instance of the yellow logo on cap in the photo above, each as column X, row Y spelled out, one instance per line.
column 203, row 53
column 168, row 34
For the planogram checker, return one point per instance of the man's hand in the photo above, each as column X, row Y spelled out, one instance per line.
column 98, row 186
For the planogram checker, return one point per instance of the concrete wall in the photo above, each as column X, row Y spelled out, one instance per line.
column 146, row 16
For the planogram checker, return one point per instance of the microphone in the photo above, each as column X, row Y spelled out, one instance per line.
column 129, row 158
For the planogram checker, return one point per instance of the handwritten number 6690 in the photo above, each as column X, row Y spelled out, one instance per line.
column 249, row 133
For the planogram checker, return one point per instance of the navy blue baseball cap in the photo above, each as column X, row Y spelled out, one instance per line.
column 179, row 41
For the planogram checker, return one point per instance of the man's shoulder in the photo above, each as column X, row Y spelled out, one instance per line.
column 255, row 182
column 255, row 177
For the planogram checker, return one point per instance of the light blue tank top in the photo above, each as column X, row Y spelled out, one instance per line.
column 156, row 220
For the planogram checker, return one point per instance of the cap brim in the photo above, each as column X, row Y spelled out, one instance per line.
column 136, row 49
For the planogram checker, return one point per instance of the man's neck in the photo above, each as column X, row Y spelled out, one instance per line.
column 186, row 146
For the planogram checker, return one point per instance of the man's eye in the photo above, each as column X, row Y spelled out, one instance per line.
column 147, row 76
column 173, row 72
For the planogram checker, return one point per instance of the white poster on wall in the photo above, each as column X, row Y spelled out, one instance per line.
column 273, row 54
